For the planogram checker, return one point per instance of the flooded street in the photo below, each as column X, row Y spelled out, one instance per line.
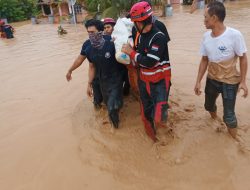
column 52, row 138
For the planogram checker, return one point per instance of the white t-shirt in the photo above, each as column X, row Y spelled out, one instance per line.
column 223, row 47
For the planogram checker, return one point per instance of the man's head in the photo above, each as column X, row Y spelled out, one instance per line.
column 141, row 15
column 215, row 12
column 109, row 24
column 95, row 30
column 94, row 26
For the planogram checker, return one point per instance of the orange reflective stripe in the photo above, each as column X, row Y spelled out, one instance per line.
column 137, row 38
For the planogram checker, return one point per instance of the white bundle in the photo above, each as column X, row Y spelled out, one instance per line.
column 122, row 31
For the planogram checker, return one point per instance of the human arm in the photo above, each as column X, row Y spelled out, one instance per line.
column 91, row 76
column 154, row 53
column 79, row 60
column 201, row 72
column 243, row 73
column 240, row 50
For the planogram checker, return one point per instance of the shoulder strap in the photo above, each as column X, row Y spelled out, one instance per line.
column 137, row 39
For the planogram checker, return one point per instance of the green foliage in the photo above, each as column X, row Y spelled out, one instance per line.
column 17, row 10
column 110, row 12
column 120, row 5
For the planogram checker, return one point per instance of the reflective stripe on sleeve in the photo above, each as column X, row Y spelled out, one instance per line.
column 153, row 56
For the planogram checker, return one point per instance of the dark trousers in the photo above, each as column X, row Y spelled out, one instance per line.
column 229, row 92
column 98, row 98
column 154, row 103
column 111, row 90
column 126, row 84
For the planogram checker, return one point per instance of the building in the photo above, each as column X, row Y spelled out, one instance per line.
column 60, row 9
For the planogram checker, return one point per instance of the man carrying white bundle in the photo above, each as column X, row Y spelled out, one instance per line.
column 153, row 68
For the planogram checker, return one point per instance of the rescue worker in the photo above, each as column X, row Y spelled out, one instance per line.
column 154, row 70
column 103, row 66
column 135, row 36
column 97, row 95
column 109, row 24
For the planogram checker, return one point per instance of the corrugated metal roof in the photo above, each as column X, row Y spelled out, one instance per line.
column 50, row 1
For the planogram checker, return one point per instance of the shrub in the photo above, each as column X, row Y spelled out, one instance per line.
column 17, row 10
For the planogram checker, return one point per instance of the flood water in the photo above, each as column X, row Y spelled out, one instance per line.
column 52, row 138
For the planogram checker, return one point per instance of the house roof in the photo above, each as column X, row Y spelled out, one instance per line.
column 50, row 1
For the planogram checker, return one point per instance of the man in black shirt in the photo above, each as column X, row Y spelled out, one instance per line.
column 97, row 95
column 104, row 67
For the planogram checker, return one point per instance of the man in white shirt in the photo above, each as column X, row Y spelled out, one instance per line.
column 221, row 48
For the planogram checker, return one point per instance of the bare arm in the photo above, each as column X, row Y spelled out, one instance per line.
column 77, row 63
column 201, row 72
column 243, row 73
column 91, row 75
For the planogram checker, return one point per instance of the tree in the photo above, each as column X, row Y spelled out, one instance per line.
column 110, row 8
column 17, row 10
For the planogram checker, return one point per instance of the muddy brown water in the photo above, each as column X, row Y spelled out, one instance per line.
column 52, row 138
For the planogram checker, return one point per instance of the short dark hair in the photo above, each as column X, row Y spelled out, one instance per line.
column 218, row 9
column 148, row 1
column 97, row 23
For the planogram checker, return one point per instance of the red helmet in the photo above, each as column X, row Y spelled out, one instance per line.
column 109, row 21
column 140, row 11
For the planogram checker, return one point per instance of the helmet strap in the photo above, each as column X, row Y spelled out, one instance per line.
column 140, row 31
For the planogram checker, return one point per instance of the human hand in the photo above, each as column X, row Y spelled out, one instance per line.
column 68, row 76
column 243, row 86
column 126, row 48
column 89, row 90
column 197, row 89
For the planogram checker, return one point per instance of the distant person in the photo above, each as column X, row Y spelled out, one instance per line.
column 221, row 49
column 200, row 4
column 197, row 4
column 6, row 30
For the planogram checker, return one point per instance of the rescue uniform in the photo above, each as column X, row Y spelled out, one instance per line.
column 135, row 36
column 154, row 73
column 158, row 24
